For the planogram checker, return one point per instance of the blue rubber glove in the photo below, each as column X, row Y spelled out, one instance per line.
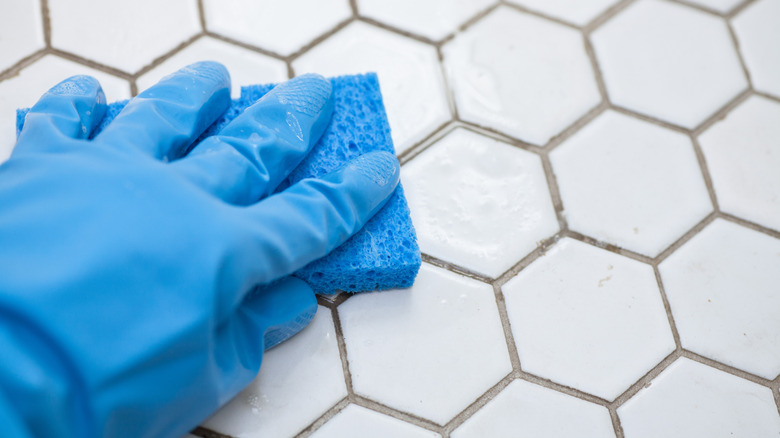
column 137, row 284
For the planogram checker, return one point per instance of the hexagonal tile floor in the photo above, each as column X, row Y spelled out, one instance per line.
column 594, row 185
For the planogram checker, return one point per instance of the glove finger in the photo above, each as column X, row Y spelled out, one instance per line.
column 265, row 318
column 288, row 230
column 167, row 117
column 257, row 150
column 71, row 109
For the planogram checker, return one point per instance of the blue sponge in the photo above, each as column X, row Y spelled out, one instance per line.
column 384, row 254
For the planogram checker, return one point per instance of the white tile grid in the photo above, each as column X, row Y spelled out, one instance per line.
column 734, row 378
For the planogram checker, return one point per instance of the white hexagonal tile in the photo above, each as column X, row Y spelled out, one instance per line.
column 758, row 34
column 21, row 31
column 689, row 399
column 23, row 90
column 245, row 66
column 356, row 422
column 408, row 347
column 433, row 19
column 630, row 183
column 521, row 74
column 409, row 75
column 124, row 35
column 579, row 12
column 743, row 155
column 477, row 202
column 281, row 26
column 524, row 409
column 588, row 318
column 722, row 286
column 668, row 61
column 721, row 6
column 298, row 381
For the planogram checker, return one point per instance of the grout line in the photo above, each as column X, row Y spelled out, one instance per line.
column 506, row 325
column 555, row 386
column 402, row 32
column 316, row 41
column 618, row 428
column 23, row 63
column 647, row 379
column 575, row 127
column 541, row 248
column 701, row 159
column 722, row 112
column 395, row 413
column 542, row 15
column 742, row 63
column 668, row 309
column 427, row 142
column 609, row 247
column 479, row 403
column 244, row 45
column 649, row 119
column 90, row 63
column 475, row 19
column 776, row 396
column 202, row 15
column 726, row 368
column 697, row 7
column 46, row 22
column 354, row 7
column 767, row 96
column 342, row 349
column 605, row 16
column 752, row 225
column 739, row 8
column 554, row 191
column 164, row 57
column 682, row 240
column 455, row 268
column 598, row 75
column 324, row 418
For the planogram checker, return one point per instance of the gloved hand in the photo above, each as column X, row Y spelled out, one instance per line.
column 136, row 285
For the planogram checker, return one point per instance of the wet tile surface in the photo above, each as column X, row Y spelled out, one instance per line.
column 580, row 160
column 478, row 203
column 521, row 75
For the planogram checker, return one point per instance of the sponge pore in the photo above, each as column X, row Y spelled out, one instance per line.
column 384, row 253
